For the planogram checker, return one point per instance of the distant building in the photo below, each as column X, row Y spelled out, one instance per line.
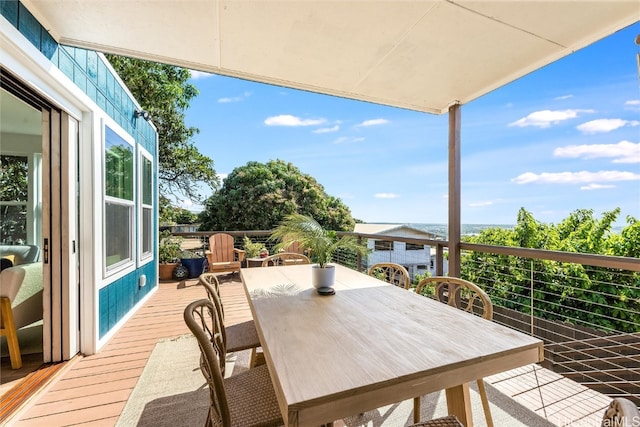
column 416, row 258
column 180, row 228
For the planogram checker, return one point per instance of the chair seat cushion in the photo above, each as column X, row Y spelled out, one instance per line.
column 252, row 400
column 448, row 421
column 242, row 336
column 224, row 266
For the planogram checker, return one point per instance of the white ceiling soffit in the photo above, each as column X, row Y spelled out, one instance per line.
column 420, row 55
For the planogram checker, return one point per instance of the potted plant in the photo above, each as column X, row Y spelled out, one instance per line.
column 195, row 263
column 168, row 254
column 319, row 243
column 253, row 249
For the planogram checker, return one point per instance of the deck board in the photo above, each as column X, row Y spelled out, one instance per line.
column 94, row 390
column 550, row 395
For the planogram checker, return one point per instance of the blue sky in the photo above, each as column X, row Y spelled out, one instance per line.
column 565, row 137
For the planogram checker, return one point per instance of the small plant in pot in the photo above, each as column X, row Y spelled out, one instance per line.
column 169, row 253
column 253, row 249
column 320, row 244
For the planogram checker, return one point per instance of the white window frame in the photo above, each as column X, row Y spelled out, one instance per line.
column 144, row 257
column 125, row 266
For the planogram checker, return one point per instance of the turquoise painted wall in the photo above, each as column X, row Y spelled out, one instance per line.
column 87, row 70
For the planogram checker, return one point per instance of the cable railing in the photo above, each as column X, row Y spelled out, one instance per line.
column 585, row 307
column 588, row 316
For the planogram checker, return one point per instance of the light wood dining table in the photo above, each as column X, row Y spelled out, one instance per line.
column 371, row 344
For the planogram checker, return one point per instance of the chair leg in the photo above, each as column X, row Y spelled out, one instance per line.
column 416, row 410
column 253, row 358
column 485, row 402
column 9, row 329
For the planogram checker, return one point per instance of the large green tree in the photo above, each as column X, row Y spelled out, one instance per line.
column 171, row 215
column 258, row 196
column 164, row 91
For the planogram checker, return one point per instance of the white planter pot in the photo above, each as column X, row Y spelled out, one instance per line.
column 323, row 277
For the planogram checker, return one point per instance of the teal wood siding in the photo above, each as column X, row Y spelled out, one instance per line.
column 119, row 297
column 88, row 71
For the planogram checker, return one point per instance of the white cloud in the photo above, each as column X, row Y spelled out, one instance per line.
column 632, row 104
column 575, row 177
column 386, row 196
column 605, row 125
column 347, row 140
column 622, row 152
column 289, row 120
column 546, row 118
column 335, row 128
column 186, row 203
column 373, row 122
column 222, row 176
column 563, row 97
column 234, row 99
column 594, row 186
column 480, row 204
column 199, row 74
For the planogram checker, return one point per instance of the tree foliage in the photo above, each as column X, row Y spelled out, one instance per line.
column 319, row 241
column 258, row 196
column 171, row 215
column 592, row 296
column 14, row 178
column 164, row 92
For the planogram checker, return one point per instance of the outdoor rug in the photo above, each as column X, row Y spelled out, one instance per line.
column 172, row 392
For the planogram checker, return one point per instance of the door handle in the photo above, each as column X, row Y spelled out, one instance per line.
column 45, row 249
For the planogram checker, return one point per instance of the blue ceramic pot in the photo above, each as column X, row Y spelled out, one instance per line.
column 196, row 266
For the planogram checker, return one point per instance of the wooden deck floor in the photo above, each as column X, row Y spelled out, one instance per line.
column 93, row 390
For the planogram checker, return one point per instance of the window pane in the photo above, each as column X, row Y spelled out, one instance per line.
column 14, row 178
column 383, row 245
column 13, row 224
column 117, row 233
column 14, row 185
column 146, row 230
column 414, row 247
column 118, row 166
column 147, row 181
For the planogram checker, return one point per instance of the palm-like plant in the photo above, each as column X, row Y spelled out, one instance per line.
column 320, row 244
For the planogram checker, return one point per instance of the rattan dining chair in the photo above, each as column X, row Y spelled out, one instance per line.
column 392, row 273
column 286, row 258
column 243, row 400
column 467, row 296
column 237, row 337
column 621, row 412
